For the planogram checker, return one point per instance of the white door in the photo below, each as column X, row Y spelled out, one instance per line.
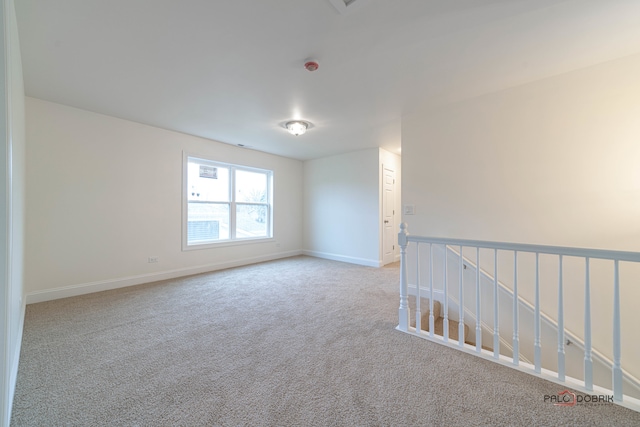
column 389, row 232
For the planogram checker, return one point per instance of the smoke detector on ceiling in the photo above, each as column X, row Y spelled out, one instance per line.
column 311, row 65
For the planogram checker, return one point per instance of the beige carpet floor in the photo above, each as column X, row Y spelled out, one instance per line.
column 294, row 342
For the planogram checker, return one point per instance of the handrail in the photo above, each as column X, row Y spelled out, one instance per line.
column 569, row 335
column 404, row 311
column 523, row 247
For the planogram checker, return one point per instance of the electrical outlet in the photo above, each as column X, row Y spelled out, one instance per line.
column 153, row 259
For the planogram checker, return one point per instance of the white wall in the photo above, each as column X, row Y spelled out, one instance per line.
column 550, row 162
column 104, row 194
column 342, row 207
column 12, row 167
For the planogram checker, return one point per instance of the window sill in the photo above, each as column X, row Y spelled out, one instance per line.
column 237, row 242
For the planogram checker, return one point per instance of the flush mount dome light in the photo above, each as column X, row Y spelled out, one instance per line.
column 297, row 127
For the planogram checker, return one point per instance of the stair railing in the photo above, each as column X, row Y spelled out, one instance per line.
column 587, row 384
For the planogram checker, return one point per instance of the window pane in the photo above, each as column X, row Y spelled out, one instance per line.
column 251, row 186
column 251, row 221
column 207, row 222
column 207, row 183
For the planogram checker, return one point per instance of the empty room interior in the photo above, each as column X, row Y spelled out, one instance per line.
column 201, row 221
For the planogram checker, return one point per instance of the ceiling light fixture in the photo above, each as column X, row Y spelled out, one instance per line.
column 297, row 127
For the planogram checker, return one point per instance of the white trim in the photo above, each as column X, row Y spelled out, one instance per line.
column 233, row 239
column 343, row 258
column 13, row 373
column 521, row 247
column 629, row 379
column 6, row 261
column 105, row 285
column 546, row 319
column 224, row 243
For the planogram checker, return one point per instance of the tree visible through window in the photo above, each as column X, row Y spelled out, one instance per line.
column 226, row 202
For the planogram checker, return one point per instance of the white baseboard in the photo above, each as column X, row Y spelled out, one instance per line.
column 121, row 282
column 343, row 258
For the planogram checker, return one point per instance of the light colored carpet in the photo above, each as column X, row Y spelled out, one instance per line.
column 294, row 342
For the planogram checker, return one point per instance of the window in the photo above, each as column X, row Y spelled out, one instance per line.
column 225, row 203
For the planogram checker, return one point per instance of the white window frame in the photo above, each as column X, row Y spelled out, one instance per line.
column 232, row 240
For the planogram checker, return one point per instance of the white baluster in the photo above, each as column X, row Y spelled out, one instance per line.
column 418, row 312
column 516, row 340
column 478, row 316
column 496, row 330
column 461, row 308
column 537, row 348
column 445, row 323
column 617, row 367
column 431, row 318
column 588, row 362
column 403, row 310
column 561, row 363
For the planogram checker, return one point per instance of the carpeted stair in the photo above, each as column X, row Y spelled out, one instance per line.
column 438, row 320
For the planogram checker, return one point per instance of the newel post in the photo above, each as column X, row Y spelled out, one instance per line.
column 403, row 310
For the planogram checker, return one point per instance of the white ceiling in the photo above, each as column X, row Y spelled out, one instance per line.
column 232, row 71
